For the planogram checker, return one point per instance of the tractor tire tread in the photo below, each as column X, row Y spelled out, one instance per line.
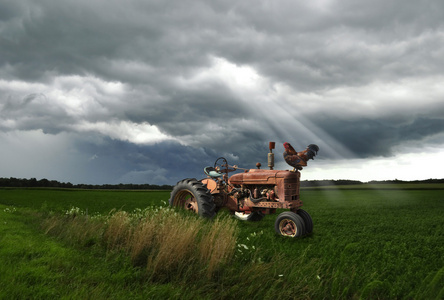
column 207, row 207
column 308, row 221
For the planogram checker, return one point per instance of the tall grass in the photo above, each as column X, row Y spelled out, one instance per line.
column 169, row 245
column 218, row 244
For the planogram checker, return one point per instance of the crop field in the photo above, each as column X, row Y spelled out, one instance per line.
column 384, row 242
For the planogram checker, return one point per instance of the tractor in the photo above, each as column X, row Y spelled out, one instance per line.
column 250, row 194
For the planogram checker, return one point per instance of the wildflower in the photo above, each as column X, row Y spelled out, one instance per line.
column 243, row 245
column 9, row 210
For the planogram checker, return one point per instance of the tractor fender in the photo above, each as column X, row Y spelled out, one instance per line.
column 211, row 185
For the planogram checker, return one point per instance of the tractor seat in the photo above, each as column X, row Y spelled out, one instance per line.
column 212, row 172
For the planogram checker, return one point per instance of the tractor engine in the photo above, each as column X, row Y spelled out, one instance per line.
column 267, row 185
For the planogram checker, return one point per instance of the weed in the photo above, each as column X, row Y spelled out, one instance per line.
column 167, row 243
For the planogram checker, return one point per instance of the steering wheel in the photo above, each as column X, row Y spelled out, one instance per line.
column 221, row 165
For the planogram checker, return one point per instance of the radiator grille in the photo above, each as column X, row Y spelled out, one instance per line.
column 291, row 190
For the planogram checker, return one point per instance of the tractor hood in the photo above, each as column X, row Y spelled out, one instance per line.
column 259, row 176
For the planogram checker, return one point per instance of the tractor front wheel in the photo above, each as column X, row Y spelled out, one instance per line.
column 192, row 195
column 289, row 224
column 308, row 222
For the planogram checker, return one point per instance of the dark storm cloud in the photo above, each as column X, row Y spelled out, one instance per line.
column 350, row 75
column 165, row 162
column 66, row 37
column 306, row 45
column 340, row 43
column 294, row 42
column 367, row 138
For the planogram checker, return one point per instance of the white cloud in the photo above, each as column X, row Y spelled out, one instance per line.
column 143, row 133
column 238, row 78
column 422, row 164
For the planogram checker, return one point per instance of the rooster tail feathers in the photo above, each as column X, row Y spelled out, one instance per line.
column 312, row 150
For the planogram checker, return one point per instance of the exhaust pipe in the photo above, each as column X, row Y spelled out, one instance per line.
column 271, row 146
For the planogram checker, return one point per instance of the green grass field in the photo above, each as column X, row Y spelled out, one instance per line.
column 367, row 243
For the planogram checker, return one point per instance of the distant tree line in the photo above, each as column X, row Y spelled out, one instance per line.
column 313, row 183
column 21, row 182
column 412, row 181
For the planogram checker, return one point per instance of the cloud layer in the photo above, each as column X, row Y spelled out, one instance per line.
column 149, row 91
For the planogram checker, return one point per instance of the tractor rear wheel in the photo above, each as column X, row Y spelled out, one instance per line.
column 192, row 195
column 308, row 222
column 289, row 224
column 253, row 216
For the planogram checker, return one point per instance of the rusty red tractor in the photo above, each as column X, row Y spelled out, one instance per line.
column 251, row 194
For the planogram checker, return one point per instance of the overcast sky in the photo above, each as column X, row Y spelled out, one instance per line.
column 145, row 91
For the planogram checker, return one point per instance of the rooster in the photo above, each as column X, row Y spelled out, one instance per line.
column 299, row 159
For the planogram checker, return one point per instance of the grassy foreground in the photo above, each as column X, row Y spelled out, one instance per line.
column 368, row 244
